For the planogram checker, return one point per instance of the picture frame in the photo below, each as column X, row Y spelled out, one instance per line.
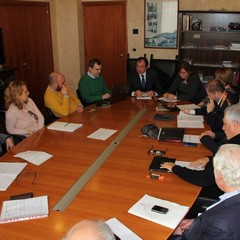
column 161, row 23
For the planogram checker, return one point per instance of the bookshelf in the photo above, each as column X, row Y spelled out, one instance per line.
column 205, row 40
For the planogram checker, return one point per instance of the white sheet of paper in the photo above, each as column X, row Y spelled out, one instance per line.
column 187, row 165
column 144, row 98
column 35, row 157
column 102, row 134
column 189, row 121
column 188, row 106
column 173, row 217
column 24, row 209
column 64, row 126
column 8, row 172
column 121, row 230
column 191, row 138
column 167, row 100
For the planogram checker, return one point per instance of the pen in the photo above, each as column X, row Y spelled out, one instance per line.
column 66, row 124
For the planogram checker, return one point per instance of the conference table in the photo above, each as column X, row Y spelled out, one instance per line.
column 119, row 182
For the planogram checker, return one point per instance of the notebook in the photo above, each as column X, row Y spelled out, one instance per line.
column 119, row 93
column 164, row 117
column 158, row 161
column 64, row 126
column 171, row 134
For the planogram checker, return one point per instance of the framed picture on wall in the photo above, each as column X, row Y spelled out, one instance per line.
column 161, row 22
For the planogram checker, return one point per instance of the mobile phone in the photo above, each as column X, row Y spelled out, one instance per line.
column 159, row 209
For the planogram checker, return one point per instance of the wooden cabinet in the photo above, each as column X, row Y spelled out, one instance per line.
column 209, row 45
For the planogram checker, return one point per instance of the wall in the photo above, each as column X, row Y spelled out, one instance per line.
column 67, row 31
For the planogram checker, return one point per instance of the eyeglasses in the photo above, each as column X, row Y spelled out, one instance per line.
column 26, row 177
column 152, row 151
column 33, row 115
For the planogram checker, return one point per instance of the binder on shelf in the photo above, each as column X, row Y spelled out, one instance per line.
column 186, row 22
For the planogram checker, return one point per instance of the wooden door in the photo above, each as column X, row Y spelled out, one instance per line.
column 105, row 38
column 27, row 43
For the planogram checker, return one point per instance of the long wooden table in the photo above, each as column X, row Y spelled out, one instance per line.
column 118, row 184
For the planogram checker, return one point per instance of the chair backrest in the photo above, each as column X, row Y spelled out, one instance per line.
column 50, row 116
column 131, row 64
column 166, row 69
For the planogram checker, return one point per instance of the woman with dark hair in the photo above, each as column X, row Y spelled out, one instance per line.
column 187, row 86
column 22, row 116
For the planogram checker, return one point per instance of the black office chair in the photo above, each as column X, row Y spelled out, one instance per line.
column 166, row 70
column 50, row 116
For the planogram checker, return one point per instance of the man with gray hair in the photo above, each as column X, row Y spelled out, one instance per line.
column 213, row 140
column 90, row 230
column 221, row 220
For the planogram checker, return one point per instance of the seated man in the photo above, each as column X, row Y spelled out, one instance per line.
column 221, row 220
column 205, row 178
column 144, row 81
column 213, row 111
column 92, row 86
column 5, row 141
column 59, row 98
column 90, row 230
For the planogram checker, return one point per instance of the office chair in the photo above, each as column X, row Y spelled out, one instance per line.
column 50, row 116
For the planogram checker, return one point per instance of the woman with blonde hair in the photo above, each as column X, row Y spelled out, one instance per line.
column 22, row 116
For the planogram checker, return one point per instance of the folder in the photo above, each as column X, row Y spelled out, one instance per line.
column 171, row 134
column 158, row 161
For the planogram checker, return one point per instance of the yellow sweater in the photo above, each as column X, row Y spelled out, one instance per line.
column 59, row 104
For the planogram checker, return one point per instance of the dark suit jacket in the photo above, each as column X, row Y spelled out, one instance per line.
column 218, row 223
column 204, row 178
column 152, row 82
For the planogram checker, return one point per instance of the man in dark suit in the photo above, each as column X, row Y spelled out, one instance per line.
column 221, row 220
column 143, row 81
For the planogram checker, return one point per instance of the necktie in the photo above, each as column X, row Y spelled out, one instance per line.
column 143, row 81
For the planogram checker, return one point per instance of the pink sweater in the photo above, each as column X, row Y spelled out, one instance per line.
column 21, row 121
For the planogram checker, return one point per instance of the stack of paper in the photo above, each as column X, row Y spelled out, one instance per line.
column 189, row 121
column 8, row 172
column 24, row 209
column 171, row 219
column 64, row 126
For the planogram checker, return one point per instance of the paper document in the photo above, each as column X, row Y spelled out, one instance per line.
column 102, row 134
column 35, row 157
column 144, row 98
column 187, row 165
column 121, row 230
column 188, row 106
column 191, row 138
column 171, row 219
column 24, row 209
column 167, row 100
column 64, row 126
column 8, row 172
column 189, row 121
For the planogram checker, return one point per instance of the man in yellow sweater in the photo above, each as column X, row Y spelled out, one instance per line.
column 59, row 98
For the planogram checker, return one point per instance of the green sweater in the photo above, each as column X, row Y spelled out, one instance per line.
column 92, row 89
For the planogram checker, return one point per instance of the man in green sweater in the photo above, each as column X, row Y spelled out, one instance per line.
column 92, row 86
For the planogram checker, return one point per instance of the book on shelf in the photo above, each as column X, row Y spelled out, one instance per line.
column 186, row 19
column 24, row 209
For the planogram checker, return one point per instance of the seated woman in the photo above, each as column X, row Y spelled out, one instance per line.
column 22, row 116
column 225, row 75
column 187, row 86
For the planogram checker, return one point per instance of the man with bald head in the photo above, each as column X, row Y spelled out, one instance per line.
column 60, row 99
column 90, row 230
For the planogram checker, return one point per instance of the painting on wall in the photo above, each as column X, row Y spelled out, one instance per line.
column 161, row 21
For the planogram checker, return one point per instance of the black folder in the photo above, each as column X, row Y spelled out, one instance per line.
column 158, row 161
column 171, row 134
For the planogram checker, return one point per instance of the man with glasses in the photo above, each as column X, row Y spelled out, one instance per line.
column 187, row 86
column 60, row 99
